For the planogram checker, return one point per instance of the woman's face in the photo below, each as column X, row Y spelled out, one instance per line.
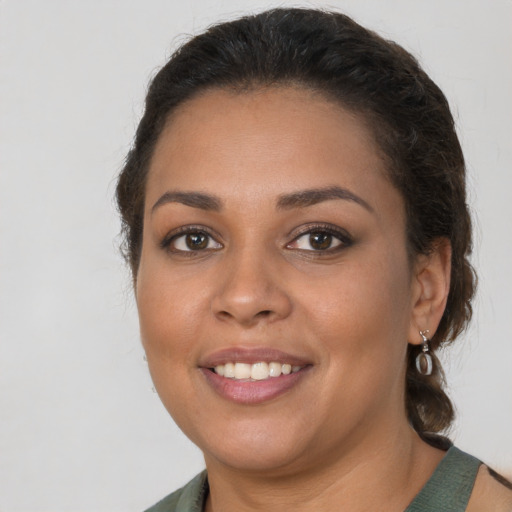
column 274, row 249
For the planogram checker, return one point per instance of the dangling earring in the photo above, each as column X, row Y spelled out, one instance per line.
column 424, row 359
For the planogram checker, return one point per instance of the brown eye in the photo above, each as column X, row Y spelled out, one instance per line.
column 192, row 241
column 196, row 241
column 320, row 240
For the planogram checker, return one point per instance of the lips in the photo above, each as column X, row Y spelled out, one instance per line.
column 250, row 356
column 253, row 376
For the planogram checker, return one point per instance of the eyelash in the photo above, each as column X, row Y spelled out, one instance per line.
column 344, row 239
column 183, row 231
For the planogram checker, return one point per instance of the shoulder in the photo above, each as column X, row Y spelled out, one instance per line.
column 462, row 482
column 489, row 493
column 187, row 499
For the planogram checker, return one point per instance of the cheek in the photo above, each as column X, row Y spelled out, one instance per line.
column 168, row 306
column 361, row 325
column 363, row 290
column 362, row 313
column 167, row 332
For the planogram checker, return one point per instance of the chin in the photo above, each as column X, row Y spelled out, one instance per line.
column 247, row 446
column 253, row 459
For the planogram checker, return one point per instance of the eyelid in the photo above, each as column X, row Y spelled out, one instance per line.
column 185, row 230
column 341, row 234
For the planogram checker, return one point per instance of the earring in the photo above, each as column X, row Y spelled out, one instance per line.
column 424, row 359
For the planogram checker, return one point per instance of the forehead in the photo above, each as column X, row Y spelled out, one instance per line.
column 263, row 140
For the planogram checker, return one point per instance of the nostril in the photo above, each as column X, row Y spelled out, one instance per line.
column 261, row 314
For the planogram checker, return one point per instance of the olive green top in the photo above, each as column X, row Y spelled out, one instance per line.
column 447, row 490
column 450, row 486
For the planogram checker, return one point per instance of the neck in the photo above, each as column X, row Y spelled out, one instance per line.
column 382, row 475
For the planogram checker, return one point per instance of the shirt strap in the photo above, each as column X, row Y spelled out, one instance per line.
column 450, row 486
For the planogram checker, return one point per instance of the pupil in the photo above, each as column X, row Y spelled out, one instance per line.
column 320, row 240
column 196, row 241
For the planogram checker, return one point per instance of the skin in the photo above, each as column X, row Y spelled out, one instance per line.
column 341, row 434
column 488, row 494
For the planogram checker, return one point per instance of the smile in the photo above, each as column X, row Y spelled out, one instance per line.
column 255, row 372
column 251, row 376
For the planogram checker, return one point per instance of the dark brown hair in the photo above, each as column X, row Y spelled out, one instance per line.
column 409, row 115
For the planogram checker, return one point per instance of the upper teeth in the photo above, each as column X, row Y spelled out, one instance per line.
column 256, row 371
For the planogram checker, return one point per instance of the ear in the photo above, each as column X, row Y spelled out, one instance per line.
column 430, row 288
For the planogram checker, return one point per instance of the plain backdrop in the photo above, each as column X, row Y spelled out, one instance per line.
column 80, row 427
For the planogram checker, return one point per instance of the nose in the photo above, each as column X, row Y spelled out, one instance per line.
column 250, row 291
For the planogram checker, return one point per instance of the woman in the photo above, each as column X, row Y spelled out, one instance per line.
column 295, row 220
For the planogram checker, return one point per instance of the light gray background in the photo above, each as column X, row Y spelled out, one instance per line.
column 80, row 428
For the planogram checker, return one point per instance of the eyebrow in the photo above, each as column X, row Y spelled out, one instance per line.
column 299, row 199
column 310, row 197
column 193, row 199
